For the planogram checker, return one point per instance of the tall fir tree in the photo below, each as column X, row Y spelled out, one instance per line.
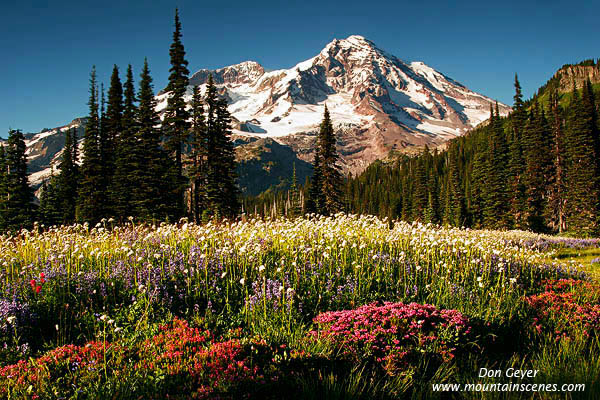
column 3, row 187
column 420, row 191
column 332, row 182
column 555, row 211
column 50, row 210
column 495, row 211
column 19, row 210
column 176, row 125
column 102, row 137
column 67, row 180
column 294, row 194
column 479, row 188
column 406, row 203
column 536, row 168
column 92, row 190
column 112, row 129
column 155, row 197
column 431, row 210
column 591, row 111
column 128, row 153
column 454, row 206
column 516, row 186
column 226, row 163
column 198, row 158
column 221, row 191
column 42, row 209
column 314, row 200
column 582, row 195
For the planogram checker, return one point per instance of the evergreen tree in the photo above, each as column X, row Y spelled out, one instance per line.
column 102, row 137
column 556, row 205
column 198, row 155
column 332, row 181
column 294, row 196
column 176, row 126
column 590, row 110
column 50, row 210
column 67, row 181
column 42, row 209
column 419, row 198
column 479, row 188
column 582, row 196
column 406, row 212
column 315, row 201
column 19, row 210
column 536, row 168
column 129, row 170
column 111, row 131
column 495, row 206
column 3, row 187
column 226, row 162
column 92, row 194
column 516, row 186
column 430, row 211
column 221, row 190
column 454, row 209
column 154, row 197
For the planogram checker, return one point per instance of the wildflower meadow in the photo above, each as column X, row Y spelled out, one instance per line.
column 315, row 307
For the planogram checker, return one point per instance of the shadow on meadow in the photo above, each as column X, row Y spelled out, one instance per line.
column 337, row 308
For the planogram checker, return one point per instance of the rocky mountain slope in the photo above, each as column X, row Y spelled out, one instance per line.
column 378, row 103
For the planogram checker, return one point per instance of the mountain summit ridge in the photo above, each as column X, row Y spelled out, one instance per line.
column 379, row 102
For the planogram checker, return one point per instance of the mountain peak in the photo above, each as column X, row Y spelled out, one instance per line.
column 245, row 65
column 237, row 74
column 379, row 102
column 356, row 42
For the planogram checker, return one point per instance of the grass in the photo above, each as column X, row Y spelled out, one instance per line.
column 582, row 257
column 251, row 292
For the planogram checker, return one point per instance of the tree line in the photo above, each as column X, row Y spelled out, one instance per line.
column 321, row 194
column 537, row 168
column 132, row 163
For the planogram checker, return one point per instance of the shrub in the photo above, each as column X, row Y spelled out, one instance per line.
column 395, row 335
column 567, row 308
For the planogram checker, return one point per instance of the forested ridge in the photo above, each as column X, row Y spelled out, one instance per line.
column 537, row 168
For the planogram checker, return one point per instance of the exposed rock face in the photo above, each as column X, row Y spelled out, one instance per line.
column 378, row 102
column 577, row 74
column 263, row 163
column 44, row 150
column 245, row 72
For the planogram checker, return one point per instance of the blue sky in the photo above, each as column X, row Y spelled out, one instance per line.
column 49, row 47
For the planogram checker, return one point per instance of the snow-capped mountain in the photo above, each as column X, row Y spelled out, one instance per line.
column 378, row 102
column 44, row 150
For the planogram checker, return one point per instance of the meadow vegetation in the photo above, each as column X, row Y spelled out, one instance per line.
column 317, row 307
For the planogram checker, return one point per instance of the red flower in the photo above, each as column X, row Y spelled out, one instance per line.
column 32, row 283
column 38, row 289
column 42, row 277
